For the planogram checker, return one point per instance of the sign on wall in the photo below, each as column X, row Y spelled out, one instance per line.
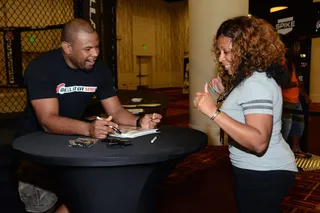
column 12, row 49
column 285, row 25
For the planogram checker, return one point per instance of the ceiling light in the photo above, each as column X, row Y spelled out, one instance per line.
column 275, row 9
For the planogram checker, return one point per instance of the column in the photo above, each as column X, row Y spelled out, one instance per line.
column 205, row 16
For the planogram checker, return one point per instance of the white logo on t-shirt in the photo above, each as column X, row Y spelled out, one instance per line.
column 62, row 89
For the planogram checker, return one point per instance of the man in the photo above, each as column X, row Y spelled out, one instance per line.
column 60, row 84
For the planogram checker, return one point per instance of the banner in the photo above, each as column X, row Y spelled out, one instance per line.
column 91, row 10
column 12, row 49
column 92, row 13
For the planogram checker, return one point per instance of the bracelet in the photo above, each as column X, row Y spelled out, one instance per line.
column 215, row 115
column 138, row 123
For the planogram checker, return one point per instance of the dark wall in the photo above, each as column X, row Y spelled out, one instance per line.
column 109, row 32
column 302, row 11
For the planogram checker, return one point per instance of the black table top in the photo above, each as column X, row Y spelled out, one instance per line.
column 49, row 149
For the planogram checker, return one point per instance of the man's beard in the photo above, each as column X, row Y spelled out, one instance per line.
column 78, row 65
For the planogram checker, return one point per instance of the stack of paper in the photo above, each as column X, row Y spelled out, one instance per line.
column 132, row 132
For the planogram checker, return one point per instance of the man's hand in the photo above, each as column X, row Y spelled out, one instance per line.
column 150, row 121
column 100, row 128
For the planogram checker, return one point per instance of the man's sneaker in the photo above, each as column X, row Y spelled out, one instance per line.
column 301, row 154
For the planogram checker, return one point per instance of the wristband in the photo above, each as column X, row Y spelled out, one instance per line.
column 215, row 115
column 138, row 123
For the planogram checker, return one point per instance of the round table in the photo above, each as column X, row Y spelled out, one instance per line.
column 101, row 179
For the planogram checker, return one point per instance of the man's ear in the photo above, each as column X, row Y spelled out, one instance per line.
column 66, row 47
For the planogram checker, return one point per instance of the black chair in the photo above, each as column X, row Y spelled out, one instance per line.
column 9, row 196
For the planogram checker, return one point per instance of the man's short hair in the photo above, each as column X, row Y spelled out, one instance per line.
column 74, row 26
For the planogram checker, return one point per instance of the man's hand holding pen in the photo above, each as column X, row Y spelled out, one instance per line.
column 101, row 127
column 150, row 121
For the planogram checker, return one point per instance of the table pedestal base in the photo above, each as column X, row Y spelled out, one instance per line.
column 127, row 189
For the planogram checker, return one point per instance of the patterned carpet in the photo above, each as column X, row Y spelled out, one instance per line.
column 314, row 107
column 303, row 197
column 206, row 158
column 309, row 164
column 177, row 112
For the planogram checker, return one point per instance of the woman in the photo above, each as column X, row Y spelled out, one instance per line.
column 293, row 124
column 250, row 52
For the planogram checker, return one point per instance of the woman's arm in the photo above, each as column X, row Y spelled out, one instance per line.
column 254, row 134
column 256, row 101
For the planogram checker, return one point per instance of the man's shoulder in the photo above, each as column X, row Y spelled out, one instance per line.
column 47, row 58
column 101, row 68
column 42, row 64
column 100, row 65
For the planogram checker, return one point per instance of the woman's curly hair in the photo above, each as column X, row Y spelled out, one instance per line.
column 256, row 46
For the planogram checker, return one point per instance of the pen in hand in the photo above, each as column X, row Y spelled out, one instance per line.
column 110, row 126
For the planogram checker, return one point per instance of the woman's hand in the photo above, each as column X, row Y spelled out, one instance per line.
column 216, row 84
column 204, row 102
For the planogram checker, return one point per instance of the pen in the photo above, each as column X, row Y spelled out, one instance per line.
column 154, row 139
column 110, row 126
column 211, row 88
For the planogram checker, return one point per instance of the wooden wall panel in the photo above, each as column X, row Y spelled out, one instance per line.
column 171, row 41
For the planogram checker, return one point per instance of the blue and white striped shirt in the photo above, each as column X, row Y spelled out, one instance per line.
column 259, row 94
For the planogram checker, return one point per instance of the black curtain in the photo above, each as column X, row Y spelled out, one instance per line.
column 102, row 15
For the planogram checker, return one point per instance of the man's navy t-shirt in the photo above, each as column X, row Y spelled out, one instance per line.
column 49, row 76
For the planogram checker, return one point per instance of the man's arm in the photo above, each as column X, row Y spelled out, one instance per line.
column 303, row 93
column 120, row 115
column 47, row 112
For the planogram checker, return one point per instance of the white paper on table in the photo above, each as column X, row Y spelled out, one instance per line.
column 133, row 132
